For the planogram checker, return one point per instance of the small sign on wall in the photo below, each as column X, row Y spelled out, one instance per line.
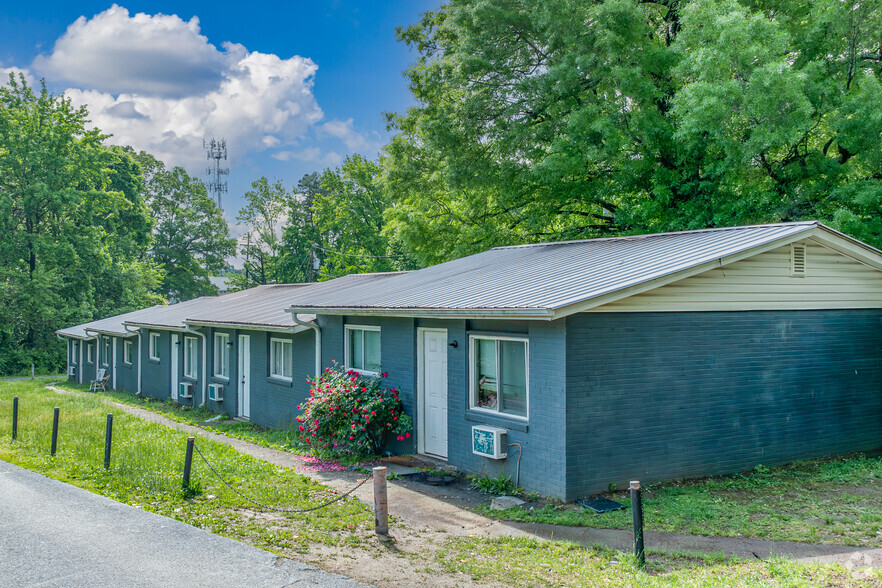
column 490, row 442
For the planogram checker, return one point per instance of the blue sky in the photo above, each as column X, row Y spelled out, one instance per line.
column 293, row 86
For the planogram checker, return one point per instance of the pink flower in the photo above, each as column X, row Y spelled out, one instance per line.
column 364, row 389
column 351, row 437
column 373, row 412
column 407, row 435
column 400, row 438
column 385, row 374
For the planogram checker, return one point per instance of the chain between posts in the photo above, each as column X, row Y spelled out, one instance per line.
column 282, row 510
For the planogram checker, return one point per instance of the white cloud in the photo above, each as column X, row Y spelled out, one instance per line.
column 158, row 85
column 344, row 130
column 16, row 71
column 312, row 155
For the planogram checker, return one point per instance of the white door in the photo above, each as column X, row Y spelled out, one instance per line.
column 114, row 358
column 433, row 392
column 174, row 366
column 245, row 376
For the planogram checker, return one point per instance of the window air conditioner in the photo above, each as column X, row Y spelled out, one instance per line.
column 490, row 442
column 185, row 390
column 216, row 392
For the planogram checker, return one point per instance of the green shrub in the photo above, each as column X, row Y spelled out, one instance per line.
column 501, row 485
column 351, row 414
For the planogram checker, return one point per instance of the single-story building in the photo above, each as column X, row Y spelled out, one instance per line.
column 582, row 364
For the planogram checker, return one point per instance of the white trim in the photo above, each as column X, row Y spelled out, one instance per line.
column 225, row 356
column 90, row 352
column 347, row 361
column 290, row 344
column 151, row 348
column 193, row 371
column 106, row 350
column 421, row 417
column 127, row 342
column 243, row 373
column 471, row 368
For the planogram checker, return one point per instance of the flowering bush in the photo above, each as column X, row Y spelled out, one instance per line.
column 348, row 413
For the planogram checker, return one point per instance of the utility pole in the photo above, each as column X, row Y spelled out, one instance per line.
column 309, row 262
column 216, row 150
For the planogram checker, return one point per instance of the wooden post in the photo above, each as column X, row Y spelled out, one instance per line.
column 381, row 504
column 108, row 436
column 55, row 431
column 637, row 519
column 188, row 462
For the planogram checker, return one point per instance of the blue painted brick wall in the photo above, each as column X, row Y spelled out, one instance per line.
column 156, row 375
column 657, row 396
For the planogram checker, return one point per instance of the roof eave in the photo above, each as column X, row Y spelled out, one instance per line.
column 247, row 326
column 449, row 313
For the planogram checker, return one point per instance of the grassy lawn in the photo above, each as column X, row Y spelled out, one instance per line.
column 529, row 562
column 146, row 471
column 835, row 501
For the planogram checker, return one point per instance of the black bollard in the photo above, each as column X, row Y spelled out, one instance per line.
column 188, row 461
column 637, row 516
column 55, row 431
column 14, row 417
column 108, row 436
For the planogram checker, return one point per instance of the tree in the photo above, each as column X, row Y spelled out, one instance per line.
column 265, row 215
column 191, row 240
column 561, row 119
column 300, row 233
column 71, row 233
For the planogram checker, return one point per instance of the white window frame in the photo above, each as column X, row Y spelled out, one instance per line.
column 127, row 352
column 221, row 356
column 349, row 329
column 473, row 392
column 153, row 347
column 287, row 348
column 191, row 364
column 90, row 352
column 74, row 352
column 105, row 356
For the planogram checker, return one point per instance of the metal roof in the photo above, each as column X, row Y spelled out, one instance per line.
column 547, row 280
column 108, row 326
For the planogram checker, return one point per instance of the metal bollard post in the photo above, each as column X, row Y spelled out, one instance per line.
column 637, row 516
column 54, row 431
column 381, row 504
column 14, row 417
column 188, row 462
column 108, row 437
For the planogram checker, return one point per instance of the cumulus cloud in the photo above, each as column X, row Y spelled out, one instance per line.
column 157, row 84
column 16, row 71
column 312, row 155
column 344, row 130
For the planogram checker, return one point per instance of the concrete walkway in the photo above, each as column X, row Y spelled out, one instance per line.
column 55, row 534
column 445, row 510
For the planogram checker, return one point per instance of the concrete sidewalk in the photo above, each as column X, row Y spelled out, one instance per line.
column 55, row 534
column 440, row 509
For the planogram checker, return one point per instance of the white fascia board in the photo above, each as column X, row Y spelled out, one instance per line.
column 449, row 313
column 155, row 327
column 660, row 281
column 850, row 248
column 246, row 326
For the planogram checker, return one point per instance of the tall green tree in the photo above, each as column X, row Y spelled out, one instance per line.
column 557, row 119
column 191, row 239
column 300, row 234
column 265, row 216
column 71, row 234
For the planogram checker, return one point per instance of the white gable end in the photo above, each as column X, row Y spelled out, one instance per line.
column 767, row 281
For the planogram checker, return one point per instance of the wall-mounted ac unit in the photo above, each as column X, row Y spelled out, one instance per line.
column 71, row 371
column 185, row 390
column 490, row 442
column 216, row 392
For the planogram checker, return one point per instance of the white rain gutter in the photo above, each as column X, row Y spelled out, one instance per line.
column 318, row 341
column 188, row 329
column 137, row 331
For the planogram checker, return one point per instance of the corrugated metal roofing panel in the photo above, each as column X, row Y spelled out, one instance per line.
column 544, row 277
column 112, row 325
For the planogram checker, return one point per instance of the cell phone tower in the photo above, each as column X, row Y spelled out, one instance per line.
column 216, row 150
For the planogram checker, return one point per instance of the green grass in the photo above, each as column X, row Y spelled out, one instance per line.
column 518, row 561
column 837, row 501
column 282, row 439
column 146, row 471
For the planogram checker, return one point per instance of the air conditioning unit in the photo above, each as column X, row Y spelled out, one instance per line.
column 185, row 390
column 71, row 371
column 490, row 442
column 216, row 392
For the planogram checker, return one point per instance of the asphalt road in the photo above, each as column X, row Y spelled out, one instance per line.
column 54, row 534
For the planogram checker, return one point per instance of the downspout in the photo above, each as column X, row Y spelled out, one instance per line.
column 137, row 331
column 189, row 329
column 318, row 341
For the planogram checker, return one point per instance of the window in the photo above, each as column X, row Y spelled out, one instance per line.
column 127, row 351
column 154, row 346
column 221, row 355
column 191, row 359
column 106, row 357
column 499, row 374
column 75, row 352
column 90, row 352
column 363, row 349
column 281, row 359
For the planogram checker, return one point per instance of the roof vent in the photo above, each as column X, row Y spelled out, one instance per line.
column 797, row 261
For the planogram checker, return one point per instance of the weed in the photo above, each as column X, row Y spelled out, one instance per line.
column 191, row 490
column 501, row 485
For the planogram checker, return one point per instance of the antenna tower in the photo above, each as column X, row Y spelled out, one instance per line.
column 216, row 150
